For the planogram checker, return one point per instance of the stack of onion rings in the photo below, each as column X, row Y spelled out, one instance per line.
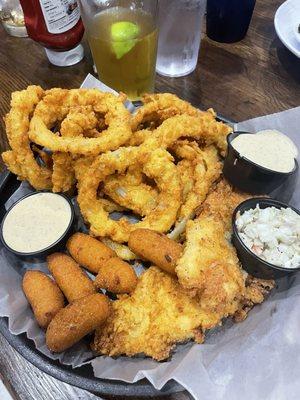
column 169, row 160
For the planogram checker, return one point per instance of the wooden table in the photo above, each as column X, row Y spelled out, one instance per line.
column 253, row 77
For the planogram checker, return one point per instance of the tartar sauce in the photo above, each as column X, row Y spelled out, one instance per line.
column 36, row 222
column 273, row 234
column 270, row 149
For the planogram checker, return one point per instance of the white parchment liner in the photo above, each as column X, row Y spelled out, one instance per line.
column 253, row 360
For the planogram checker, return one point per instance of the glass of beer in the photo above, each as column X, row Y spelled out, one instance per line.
column 122, row 35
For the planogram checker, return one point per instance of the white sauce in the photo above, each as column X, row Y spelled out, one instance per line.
column 270, row 149
column 36, row 222
column 272, row 234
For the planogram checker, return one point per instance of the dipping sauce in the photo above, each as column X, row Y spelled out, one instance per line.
column 270, row 149
column 273, row 234
column 36, row 222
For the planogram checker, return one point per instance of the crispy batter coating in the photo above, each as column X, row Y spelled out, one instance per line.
column 256, row 291
column 88, row 251
column 10, row 160
column 134, row 195
column 49, row 111
column 116, row 276
column 22, row 160
column 72, row 280
column 202, row 127
column 157, row 165
column 63, row 176
column 199, row 169
column 77, row 320
column 209, row 267
column 159, row 107
column 208, row 242
column 156, row 316
column 80, row 121
column 43, row 295
column 155, row 247
column 222, row 201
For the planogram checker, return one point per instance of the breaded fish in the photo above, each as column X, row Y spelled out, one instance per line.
column 208, row 240
column 160, row 313
column 209, row 267
column 157, row 315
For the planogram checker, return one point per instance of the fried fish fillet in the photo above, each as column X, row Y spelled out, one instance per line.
column 208, row 245
column 160, row 313
column 157, row 315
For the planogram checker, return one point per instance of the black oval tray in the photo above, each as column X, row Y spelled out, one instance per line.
column 81, row 377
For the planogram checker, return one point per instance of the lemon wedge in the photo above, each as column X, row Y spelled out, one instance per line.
column 124, row 37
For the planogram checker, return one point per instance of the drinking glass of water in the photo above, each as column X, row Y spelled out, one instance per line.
column 180, row 23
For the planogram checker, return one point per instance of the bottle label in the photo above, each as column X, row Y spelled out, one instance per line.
column 60, row 15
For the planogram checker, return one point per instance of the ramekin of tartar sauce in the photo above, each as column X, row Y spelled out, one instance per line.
column 262, row 163
column 266, row 234
column 37, row 224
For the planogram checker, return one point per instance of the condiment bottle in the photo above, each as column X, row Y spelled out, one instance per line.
column 57, row 26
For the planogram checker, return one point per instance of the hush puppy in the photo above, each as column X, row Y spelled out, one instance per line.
column 88, row 251
column 43, row 295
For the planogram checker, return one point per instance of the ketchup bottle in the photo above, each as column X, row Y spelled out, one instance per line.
column 57, row 26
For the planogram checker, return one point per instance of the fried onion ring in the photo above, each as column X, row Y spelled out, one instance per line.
column 121, row 250
column 131, row 192
column 159, row 107
column 157, row 165
column 63, row 176
column 201, row 168
column 55, row 106
column 22, row 161
column 202, row 128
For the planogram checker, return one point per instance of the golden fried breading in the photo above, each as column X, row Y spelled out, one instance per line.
column 88, row 251
column 156, row 165
column 77, row 320
column 156, row 316
column 209, row 267
column 43, row 295
column 161, row 106
column 222, row 201
column 155, row 247
column 63, row 176
column 160, row 313
column 22, row 160
column 49, row 111
column 116, row 276
column 71, row 279
column 256, row 291
column 199, row 169
column 138, row 197
column 208, row 239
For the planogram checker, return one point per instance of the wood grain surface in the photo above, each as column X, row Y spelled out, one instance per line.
column 253, row 77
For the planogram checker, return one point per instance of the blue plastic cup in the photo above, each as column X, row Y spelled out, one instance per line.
column 227, row 21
